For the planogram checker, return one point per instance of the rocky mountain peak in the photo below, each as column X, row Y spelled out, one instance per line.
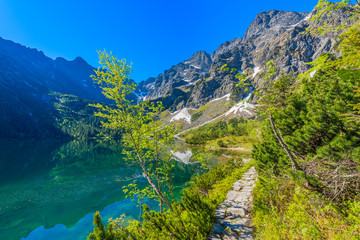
column 225, row 47
column 273, row 35
column 200, row 60
column 272, row 20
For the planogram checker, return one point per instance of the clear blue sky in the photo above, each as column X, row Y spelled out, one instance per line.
column 152, row 34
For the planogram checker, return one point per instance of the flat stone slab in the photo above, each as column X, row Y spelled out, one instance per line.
column 236, row 211
column 246, row 236
column 232, row 194
column 217, row 228
column 214, row 237
column 220, row 213
column 230, row 236
column 242, row 198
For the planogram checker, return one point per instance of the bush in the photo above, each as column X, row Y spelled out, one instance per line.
column 221, row 144
column 192, row 218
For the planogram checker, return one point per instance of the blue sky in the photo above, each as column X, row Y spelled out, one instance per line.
column 152, row 34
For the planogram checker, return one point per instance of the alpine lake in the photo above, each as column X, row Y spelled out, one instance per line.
column 50, row 189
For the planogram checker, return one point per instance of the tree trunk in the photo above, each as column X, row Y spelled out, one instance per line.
column 294, row 164
column 154, row 187
column 158, row 192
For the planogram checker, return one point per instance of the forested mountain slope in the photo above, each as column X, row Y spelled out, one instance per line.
column 28, row 82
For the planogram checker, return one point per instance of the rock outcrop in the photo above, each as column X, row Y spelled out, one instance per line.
column 273, row 35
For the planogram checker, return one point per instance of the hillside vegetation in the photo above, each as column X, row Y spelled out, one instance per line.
column 317, row 117
column 236, row 133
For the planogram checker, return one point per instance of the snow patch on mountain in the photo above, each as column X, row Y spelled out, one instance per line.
column 194, row 66
column 243, row 106
column 182, row 114
column 256, row 71
column 312, row 73
column 227, row 96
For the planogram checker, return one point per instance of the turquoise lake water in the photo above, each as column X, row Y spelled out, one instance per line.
column 51, row 189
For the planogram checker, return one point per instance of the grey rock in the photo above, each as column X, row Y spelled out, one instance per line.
column 236, row 211
column 214, row 237
column 217, row 228
column 239, row 228
column 242, row 198
column 230, row 236
column 237, row 186
column 224, row 205
column 245, row 236
column 232, row 195
column 220, row 213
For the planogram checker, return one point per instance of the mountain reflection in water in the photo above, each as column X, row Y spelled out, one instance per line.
column 50, row 189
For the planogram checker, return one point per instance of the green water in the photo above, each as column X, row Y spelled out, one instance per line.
column 50, row 189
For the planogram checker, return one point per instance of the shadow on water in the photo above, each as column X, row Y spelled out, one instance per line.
column 50, row 189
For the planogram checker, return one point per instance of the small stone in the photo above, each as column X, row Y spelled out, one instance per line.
column 241, row 220
column 231, row 194
column 234, row 225
column 220, row 213
column 224, row 205
column 236, row 186
column 241, row 199
column 245, row 188
column 246, row 236
column 236, row 211
column 214, row 237
column 217, row 228
column 230, row 236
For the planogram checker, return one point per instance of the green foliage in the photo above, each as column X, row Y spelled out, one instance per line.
column 221, row 144
column 192, row 218
column 270, row 73
column 317, row 115
column 75, row 117
column 226, row 68
column 196, row 115
column 326, row 16
column 144, row 137
column 291, row 211
column 235, row 127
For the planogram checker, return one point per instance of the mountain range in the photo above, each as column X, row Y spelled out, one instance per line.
column 40, row 96
column 273, row 35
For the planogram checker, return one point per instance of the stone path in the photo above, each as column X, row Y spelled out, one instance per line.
column 233, row 215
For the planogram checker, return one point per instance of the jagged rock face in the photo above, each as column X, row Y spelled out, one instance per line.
column 225, row 47
column 271, row 24
column 182, row 74
column 273, row 35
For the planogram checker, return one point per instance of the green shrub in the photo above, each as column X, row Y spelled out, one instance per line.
column 192, row 218
column 195, row 116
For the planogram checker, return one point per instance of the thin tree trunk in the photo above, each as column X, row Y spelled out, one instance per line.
column 294, row 164
column 147, row 174
column 157, row 172
column 153, row 185
column 140, row 211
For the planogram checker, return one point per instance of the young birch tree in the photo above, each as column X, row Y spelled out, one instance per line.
column 144, row 137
